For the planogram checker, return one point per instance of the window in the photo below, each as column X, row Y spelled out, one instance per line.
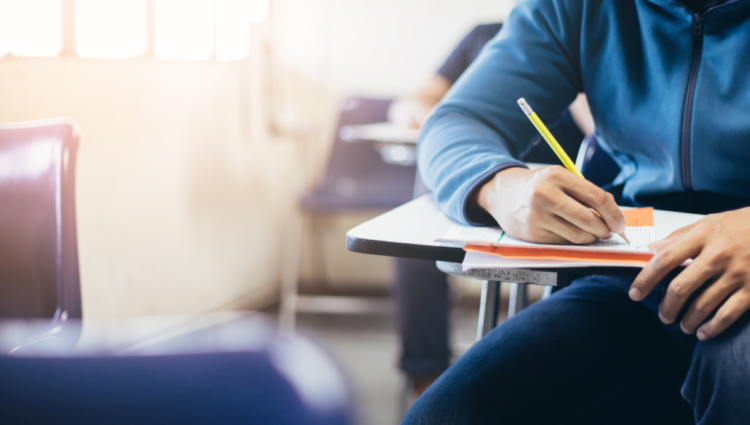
column 118, row 29
column 31, row 28
column 111, row 29
column 257, row 11
column 232, row 29
column 183, row 29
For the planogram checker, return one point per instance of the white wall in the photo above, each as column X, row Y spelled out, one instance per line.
column 375, row 47
column 177, row 211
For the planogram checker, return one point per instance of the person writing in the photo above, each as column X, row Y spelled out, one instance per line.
column 666, row 82
column 421, row 290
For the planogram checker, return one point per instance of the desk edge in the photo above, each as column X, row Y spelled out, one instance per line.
column 404, row 250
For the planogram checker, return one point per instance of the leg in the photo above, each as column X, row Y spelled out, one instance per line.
column 587, row 354
column 422, row 305
column 718, row 384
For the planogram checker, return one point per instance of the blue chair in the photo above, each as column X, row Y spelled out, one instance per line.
column 596, row 164
column 231, row 369
column 357, row 178
column 39, row 274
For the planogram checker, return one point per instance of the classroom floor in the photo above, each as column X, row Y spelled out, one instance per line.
column 366, row 347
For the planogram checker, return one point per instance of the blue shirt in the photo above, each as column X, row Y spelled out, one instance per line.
column 669, row 90
column 566, row 130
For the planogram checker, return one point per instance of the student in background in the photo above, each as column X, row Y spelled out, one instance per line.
column 667, row 82
column 421, row 292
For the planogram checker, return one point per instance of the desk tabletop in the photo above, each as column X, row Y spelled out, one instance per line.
column 410, row 230
column 386, row 132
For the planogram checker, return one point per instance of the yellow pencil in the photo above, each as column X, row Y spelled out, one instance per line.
column 552, row 142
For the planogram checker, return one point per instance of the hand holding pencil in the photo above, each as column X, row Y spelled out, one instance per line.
column 550, row 205
column 552, row 142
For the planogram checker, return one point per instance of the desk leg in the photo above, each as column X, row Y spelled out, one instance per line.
column 547, row 292
column 290, row 274
column 518, row 298
column 488, row 307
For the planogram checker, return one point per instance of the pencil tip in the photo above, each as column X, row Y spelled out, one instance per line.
column 622, row 235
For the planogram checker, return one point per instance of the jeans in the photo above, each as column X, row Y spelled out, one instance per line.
column 590, row 355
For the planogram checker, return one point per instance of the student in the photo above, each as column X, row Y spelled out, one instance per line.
column 669, row 87
column 421, row 290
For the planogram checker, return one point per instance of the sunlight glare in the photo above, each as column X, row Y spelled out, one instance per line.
column 258, row 12
column 31, row 28
column 111, row 29
column 232, row 29
column 183, row 29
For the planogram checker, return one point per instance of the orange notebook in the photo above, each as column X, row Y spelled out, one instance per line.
column 640, row 222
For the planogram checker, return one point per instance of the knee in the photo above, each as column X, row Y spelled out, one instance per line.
column 728, row 353
column 718, row 382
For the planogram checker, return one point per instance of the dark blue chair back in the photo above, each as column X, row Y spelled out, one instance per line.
column 357, row 177
column 39, row 274
column 595, row 164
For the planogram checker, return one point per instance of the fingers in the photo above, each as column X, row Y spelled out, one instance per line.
column 727, row 314
column 663, row 243
column 679, row 290
column 663, row 262
column 707, row 303
column 672, row 238
column 601, row 201
column 568, row 232
column 577, row 224
column 583, row 219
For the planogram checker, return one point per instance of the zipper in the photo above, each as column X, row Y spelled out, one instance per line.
column 687, row 113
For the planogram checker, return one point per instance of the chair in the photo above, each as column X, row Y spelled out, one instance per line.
column 596, row 164
column 224, row 368
column 359, row 177
column 39, row 274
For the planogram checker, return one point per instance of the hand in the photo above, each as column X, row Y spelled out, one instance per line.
column 409, row 112
column 720, row 247
column 550, row 205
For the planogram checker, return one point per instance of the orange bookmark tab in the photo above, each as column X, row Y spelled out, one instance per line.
column 639, row 217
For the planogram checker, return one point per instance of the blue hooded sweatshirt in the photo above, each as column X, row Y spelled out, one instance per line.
column 669, row 89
